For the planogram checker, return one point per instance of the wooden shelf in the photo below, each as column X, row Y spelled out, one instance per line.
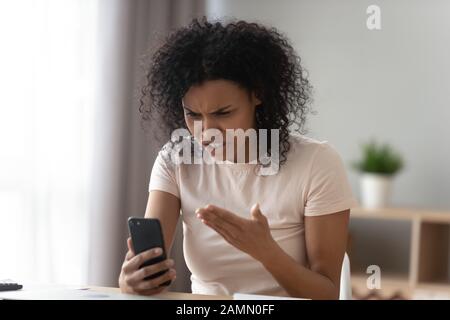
column 401, row 214
column 423, row 255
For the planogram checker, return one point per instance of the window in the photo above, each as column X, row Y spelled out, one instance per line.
column 46, row 127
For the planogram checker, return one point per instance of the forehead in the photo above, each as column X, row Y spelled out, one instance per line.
column 213, row 94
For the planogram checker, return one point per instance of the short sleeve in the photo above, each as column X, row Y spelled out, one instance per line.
column 163, row 176
column 329, row 190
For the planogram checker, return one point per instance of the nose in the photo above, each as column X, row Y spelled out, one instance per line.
column 207, row 133
column 208, row 123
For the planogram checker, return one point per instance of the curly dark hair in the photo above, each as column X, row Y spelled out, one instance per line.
column 257, row 58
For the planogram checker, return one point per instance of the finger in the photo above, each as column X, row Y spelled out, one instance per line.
column 223, row 232
column 149, row 270
column 225, row 215
column 256, row 212
column 211, row 212
column 223, row 223
column 129, row 255
column 258, row 216
column 155, row 283
column 224, row 227
column 130, row 245
column 135, row 262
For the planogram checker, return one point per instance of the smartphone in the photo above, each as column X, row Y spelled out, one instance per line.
column 147, row 234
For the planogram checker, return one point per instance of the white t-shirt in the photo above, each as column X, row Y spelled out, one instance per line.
column 311, row 182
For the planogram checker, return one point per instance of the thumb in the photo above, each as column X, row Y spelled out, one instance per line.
column 130, row 245
column 256, row 211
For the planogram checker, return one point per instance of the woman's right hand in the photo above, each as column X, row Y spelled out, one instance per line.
column 131, row 279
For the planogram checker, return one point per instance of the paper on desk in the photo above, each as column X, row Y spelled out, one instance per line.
column 247, row 296
column 430, row 295
column 62, row 292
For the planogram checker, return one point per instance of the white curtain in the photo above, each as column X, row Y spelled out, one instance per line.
column 74, row 161
column 123, row 154
column 47, row 52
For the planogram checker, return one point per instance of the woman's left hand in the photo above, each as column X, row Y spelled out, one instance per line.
column 251, row 236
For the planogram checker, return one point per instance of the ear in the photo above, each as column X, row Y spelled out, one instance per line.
column 255, row 101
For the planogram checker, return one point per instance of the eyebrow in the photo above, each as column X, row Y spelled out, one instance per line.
column 216, row 111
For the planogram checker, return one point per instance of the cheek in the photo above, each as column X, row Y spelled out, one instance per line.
column 189, row 124
column 244, row 119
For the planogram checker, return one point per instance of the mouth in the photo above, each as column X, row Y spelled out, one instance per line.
column 213, row 145
column 214, row 148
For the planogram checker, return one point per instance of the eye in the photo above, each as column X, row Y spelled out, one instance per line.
column 223, row 113
column 192, row 115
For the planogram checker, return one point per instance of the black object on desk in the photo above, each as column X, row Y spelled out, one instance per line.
column 9, row 285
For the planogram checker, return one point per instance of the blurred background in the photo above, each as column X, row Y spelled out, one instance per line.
column 75, row 162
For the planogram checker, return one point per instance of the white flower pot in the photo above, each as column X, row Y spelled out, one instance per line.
column 375, row 190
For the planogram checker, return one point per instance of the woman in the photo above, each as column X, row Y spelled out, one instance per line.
column 282, row 233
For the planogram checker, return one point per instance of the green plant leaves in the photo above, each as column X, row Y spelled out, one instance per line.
column 379, row 158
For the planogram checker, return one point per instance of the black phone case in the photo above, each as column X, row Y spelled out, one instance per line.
column 147, row 234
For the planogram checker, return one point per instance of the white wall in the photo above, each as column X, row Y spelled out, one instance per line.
column 391, row 84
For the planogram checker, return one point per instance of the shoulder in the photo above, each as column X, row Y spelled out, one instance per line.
column 308, row 156
column 307, row 149
column 165, row 157
column 172, row 152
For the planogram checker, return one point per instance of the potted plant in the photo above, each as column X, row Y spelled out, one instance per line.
column 378, row 166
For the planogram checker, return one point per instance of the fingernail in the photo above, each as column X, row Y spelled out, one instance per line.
column 157, row 251
column 170, row 263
